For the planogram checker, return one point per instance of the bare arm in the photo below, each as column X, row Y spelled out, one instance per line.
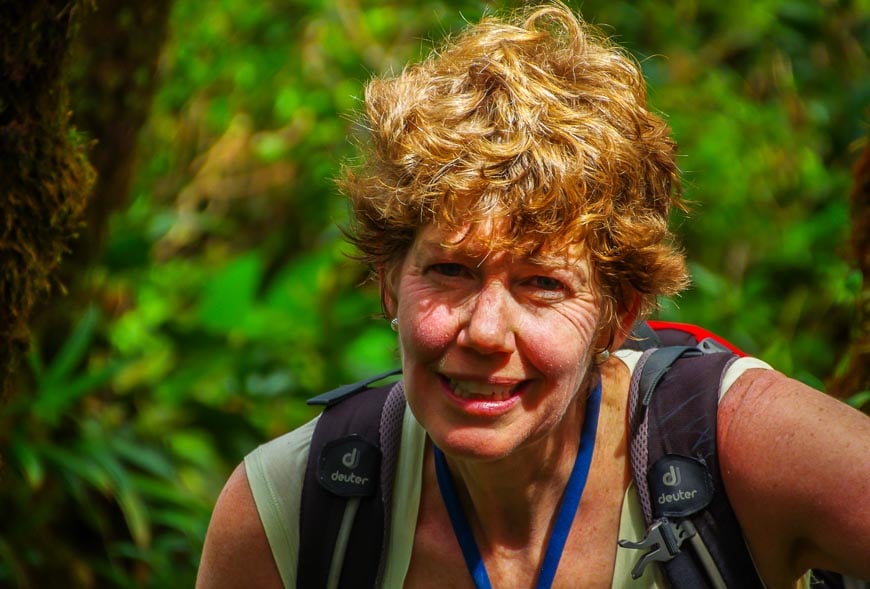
column 236, row 551
column 796, row 466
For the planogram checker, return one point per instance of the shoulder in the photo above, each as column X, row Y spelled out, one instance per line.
column 275, row 469
column 252, row 534
column 795, row 466
column 236, row 551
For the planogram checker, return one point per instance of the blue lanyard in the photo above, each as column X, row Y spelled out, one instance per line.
column 564, row 519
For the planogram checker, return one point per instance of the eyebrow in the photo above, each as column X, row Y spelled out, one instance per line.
column 551, row 261
column 480, row 254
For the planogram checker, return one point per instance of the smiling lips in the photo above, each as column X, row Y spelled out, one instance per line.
column 481, row 390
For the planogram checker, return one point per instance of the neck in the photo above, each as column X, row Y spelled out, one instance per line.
column 511, row 503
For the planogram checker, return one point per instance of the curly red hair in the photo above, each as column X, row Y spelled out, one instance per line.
column 537, row 122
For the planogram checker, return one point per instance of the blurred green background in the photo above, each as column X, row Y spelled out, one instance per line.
column 211, row 294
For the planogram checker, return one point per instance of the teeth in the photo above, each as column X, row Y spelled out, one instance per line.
column 476, row 390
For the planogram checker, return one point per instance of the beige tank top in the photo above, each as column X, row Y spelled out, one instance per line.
column 275, row 474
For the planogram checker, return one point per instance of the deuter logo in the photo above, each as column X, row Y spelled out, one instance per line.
column 677, row 497
column 348, row 478
column 672, row 478
column 351, row 459
column 679, row 486
column 349, row 466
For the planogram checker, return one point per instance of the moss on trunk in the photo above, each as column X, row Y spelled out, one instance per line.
column 45, row 178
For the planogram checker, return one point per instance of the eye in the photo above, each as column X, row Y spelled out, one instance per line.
column 546, row 289
column 547, row 283
column 448, row 269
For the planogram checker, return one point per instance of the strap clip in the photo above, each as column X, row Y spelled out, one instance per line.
column 663, row 538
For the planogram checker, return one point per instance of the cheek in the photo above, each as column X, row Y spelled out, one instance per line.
column 560, row 343
column 426, row 330
column 560, row 358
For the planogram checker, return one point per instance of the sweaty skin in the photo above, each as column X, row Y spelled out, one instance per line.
column 497, row 351
column 497, row 354
column 796, row 466
column 495, row 347
column 236, row 551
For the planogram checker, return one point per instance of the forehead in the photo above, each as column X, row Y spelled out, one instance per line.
column 485, row 239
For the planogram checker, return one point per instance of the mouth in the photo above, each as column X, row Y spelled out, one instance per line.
column 475, row 390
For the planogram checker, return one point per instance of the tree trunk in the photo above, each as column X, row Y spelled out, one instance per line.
column 45, row 178
column 856, row 377
column 112, row 80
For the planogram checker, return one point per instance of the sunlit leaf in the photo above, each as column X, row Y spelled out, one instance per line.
column 27, row 458
column 229, row 293
column 859, row 400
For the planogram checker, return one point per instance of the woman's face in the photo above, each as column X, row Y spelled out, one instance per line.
column 495, row 347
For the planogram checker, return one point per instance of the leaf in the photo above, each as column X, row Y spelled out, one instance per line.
column 167, row 491
column 11, row 565
column 372, row 352
column 147, row 458
column 54, row 398
column 136, row 515
column 74, row 349
column 75, row 467
column 23, row 453
column 189, row 524
column 128, row 499
column 227, row 298
column 858, row 400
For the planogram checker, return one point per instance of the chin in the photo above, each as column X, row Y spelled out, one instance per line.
column 469, row 443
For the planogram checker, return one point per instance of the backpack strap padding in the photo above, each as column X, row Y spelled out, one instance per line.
column 682, row 419
column 655, row 367
column 392, row 417
column 321, row 512
column 643, row 337
column 638, row 435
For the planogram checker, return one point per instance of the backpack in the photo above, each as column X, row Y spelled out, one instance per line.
column 692, row 531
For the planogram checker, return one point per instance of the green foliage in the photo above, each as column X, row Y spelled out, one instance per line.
column 225, row 296
column 93, row 494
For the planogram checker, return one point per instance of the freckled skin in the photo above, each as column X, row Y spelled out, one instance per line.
column 469, row 314
column 796, row 466
column 472, row 320
column 794, row 461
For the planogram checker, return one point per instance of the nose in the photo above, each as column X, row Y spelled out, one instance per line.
column 489, row 327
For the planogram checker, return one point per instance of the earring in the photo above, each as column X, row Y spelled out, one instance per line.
column 602, row 356
column 394, row 324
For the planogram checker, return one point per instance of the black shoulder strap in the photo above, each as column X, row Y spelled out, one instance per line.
column 345, row 391
column 673, row 403
column 643, row 337
column 673, row 406
column 345, row 505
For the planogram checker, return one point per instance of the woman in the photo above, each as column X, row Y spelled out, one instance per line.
column 513, row 203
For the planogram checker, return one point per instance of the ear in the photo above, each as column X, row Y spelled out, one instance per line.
column 388, row 296
column 627, row 316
